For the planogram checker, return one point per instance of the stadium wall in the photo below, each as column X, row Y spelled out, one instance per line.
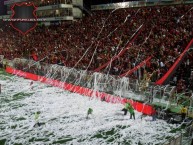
column 140, row 107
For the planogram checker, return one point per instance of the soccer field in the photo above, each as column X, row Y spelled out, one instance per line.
column 63, row 118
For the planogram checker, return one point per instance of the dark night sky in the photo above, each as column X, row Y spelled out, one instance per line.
column 2, row 7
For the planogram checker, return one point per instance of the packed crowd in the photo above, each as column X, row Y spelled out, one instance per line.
column 164, row 32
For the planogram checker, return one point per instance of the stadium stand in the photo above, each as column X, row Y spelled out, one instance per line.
column 95, row 39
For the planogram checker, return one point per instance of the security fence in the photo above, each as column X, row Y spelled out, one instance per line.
column 121, row 86
column 183, row 138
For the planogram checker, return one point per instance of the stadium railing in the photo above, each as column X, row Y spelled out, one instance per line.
column 115, row 85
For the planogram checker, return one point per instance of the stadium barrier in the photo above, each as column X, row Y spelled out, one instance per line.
column 140, row 107
column 182, row 138
column 97, row 84
column 176, row 140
